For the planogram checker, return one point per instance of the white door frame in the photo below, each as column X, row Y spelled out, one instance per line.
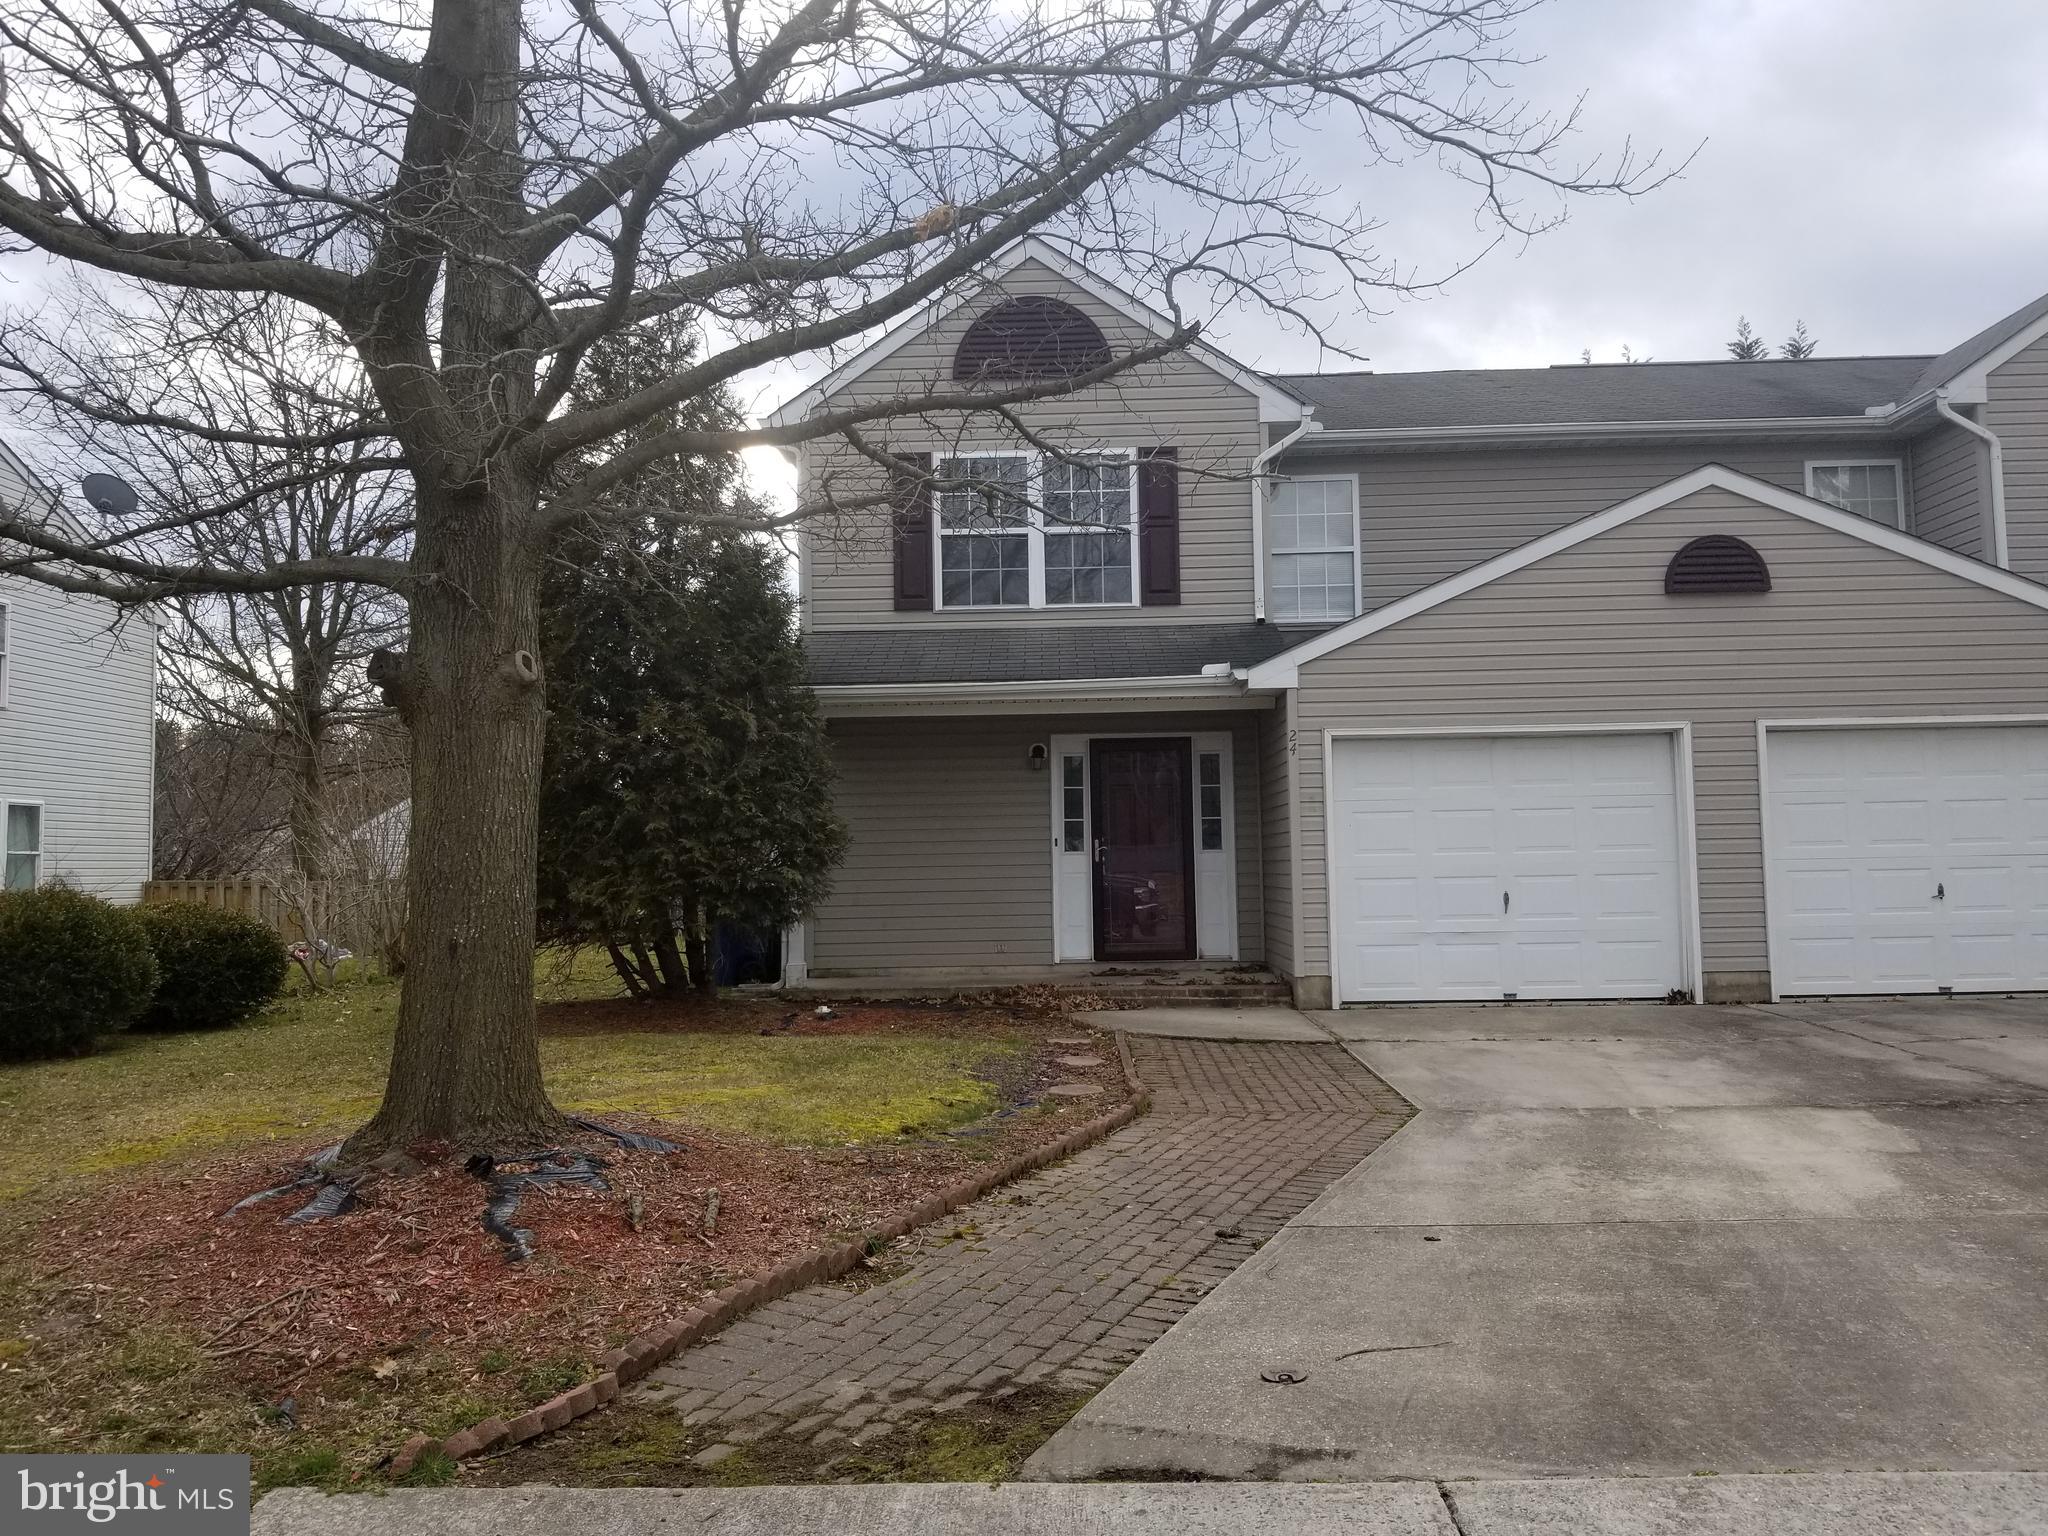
column 1198, row 742
column 1680, row 734
column 1834, row 723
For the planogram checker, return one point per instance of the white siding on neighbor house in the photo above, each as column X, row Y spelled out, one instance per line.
column 950, row 859
column 2018, row 412
column 848, row 564
column 1950, row 472
column 1426, row 516
column 77, row 733
column 1587, row 636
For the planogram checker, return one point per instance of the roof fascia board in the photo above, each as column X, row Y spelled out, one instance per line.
column 1516, row 432
column 1284, row 670
column 1275, row 404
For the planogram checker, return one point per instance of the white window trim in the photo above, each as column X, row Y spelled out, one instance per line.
column 1271, row 554
column 1034, row 531
column 7, row 805
column 1896, row 466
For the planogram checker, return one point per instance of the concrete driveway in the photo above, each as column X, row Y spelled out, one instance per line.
column 1623, row 1241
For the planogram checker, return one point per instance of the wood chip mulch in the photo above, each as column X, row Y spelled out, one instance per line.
column 411, row 1269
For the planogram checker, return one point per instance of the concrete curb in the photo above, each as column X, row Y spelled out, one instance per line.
column 646, row 1350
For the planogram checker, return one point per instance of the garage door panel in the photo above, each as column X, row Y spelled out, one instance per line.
column 1925, row 871
column 1579, row 832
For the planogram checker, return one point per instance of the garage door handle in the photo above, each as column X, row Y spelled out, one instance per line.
column 1503, row 901
column 1941, row 892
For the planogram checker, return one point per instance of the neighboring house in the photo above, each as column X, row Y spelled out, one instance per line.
column 1721, row 679
column 77, row 728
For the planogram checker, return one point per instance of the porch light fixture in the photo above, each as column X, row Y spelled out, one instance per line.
column 1036, row 757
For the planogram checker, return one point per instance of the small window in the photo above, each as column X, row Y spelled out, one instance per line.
column 3, row 655
column 1209, row 780
column 23, row 869
column 1315, row 552
column 1074, row 803
column 1867, row 487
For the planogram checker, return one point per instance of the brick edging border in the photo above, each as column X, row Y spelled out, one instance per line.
column 644, row 1351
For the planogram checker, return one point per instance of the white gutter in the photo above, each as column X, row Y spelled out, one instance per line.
column 1754, row 426
column 1260, row 464
column 1990, row 438
column 1216, row 687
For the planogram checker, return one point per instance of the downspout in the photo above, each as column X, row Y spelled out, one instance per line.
column 1977, row 429
column 1260, row 465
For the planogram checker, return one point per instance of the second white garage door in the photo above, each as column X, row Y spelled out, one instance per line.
column 1908, row 858
column 1483, row 867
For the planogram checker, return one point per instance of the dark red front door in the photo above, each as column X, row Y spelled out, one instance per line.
column 1144, row 851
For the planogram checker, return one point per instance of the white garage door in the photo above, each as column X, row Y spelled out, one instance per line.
column 1505, row 866
column 1907, row 859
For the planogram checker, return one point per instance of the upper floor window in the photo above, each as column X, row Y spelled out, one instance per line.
column 1871, row 488
column 1031, row 530
column 1314, row 557
column 21, row 866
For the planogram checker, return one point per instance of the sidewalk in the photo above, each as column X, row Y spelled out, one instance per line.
column 1828, row 1504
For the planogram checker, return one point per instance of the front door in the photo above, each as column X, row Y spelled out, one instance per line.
column 1143, row 850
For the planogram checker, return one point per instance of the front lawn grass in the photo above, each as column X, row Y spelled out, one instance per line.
column 314, row 1064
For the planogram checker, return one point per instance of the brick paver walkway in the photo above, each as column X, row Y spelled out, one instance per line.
column 1067, row 1274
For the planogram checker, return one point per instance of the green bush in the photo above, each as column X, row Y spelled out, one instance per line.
column 214, row 968
column 72, row 968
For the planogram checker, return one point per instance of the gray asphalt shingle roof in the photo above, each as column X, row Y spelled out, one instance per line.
column 1036, row 652
column 1710, row 391
column 1992, row 337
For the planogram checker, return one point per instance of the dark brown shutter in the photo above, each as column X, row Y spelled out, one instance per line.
column 1159, row 527
column 910, row 497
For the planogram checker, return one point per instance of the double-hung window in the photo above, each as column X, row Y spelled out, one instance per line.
column 1868, row 487
column 1314, row 559
column 1037, row 530
column 21, row 867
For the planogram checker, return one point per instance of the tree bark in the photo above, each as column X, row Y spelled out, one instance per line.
column 309, row 828
column 697, row 945
column 465, row 1066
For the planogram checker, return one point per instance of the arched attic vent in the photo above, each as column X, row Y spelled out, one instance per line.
column 1716, row 562
column 1029, row 338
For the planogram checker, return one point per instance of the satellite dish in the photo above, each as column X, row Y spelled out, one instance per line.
column 111, row 494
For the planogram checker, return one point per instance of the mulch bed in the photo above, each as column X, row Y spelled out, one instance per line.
column 410, row 1272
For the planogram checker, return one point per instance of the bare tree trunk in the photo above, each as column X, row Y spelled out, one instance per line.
column 309, row 801
column 697, row 944
column 465, row 1066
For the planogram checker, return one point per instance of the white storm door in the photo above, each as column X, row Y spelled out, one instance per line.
column 1528, row 866
column 1073, row 870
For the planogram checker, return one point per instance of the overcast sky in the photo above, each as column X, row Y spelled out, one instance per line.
column 1876, row 167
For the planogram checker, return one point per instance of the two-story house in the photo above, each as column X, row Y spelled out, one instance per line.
column 77, row 726
column 1719, row 679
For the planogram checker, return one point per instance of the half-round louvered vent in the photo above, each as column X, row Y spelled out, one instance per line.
column 1029, row 338
column 1717, row 562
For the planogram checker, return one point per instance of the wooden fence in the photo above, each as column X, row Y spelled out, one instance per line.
column 328, row 906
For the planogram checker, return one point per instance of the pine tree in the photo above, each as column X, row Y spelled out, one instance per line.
column 1747, row 347
column 686, row 779
column 1798, row 344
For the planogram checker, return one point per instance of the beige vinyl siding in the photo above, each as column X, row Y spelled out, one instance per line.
column 950, row 858
column 1277, row 840
column 1588, row 636
column 2018, row 412
column 1951, row 491
column 1425, row 516
column 1175, row 402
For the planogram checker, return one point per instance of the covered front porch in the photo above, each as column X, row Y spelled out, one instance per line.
column 1109, row 847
